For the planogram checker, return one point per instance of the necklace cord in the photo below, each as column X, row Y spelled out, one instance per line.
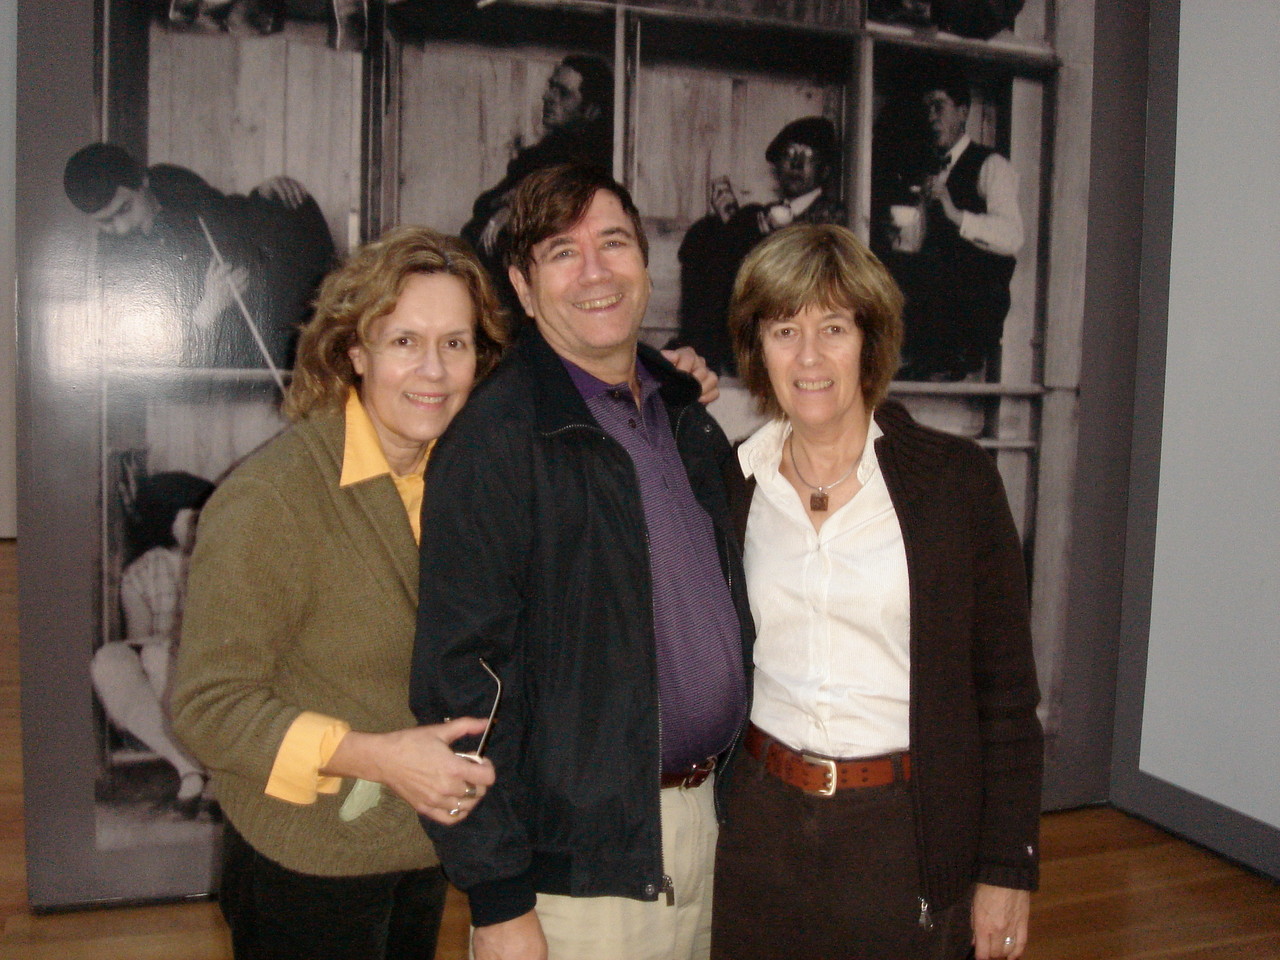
column 820, row 489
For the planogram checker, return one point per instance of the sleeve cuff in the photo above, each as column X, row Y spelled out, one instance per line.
column 496, row 901
column 1014, row 878
column 306, row 749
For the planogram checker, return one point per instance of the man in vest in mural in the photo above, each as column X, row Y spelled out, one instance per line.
column 953, row 253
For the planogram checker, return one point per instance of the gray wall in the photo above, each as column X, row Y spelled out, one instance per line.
column 1197, row 723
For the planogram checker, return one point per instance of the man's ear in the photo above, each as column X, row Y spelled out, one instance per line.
column 590, row 112
column 521, row 285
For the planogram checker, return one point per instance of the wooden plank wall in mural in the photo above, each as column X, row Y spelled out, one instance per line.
column 238, row 109
column 464, row 111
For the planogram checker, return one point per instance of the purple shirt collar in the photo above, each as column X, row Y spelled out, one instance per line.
column 590, row 386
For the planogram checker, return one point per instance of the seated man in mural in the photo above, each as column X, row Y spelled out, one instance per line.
column 951, row 244
column 195, row 277
column 805, row 156
column 577, row 127
column 131, row 675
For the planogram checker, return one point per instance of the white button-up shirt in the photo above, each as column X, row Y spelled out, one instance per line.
column 832, row 610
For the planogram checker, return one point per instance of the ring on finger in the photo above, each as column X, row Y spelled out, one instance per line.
column 470, row 792
column 455, row 811
column 1008, row 941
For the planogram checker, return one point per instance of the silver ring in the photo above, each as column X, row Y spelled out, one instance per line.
column 455, row 811
column 1008, row 941
column 469, row 792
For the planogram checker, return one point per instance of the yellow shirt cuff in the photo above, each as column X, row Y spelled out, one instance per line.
column 306, row 749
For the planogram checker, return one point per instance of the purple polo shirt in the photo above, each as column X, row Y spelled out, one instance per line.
column 701, row 684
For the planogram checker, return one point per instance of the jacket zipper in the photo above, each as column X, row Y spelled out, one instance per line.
column 666, row 885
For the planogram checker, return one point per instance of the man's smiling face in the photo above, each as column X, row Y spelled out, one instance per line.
column 588, row 287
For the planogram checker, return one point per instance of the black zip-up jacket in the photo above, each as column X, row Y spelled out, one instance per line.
column 535, row 557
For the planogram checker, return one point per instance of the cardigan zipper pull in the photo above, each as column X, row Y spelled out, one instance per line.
column 926, row 920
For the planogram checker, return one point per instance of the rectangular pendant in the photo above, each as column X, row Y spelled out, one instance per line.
column 818, row 501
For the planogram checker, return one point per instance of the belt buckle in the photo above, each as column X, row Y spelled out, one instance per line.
column 698, row 775
column 830, row 789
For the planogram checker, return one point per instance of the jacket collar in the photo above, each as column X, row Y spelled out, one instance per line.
column 556, row 401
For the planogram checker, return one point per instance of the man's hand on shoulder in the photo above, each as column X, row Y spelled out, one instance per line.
column 517, row 939
column 687, row 360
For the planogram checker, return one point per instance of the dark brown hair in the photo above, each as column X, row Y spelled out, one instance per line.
column 815, row 265
column 553, row 200
column 365, row 288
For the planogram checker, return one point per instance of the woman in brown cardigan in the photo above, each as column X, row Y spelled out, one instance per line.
column 887, row 805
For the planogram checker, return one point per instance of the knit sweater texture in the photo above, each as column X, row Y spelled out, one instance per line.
column 302, row 596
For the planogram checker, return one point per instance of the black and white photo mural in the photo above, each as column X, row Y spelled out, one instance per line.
column 225, row 153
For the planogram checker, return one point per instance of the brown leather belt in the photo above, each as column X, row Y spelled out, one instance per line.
column 695, row 776
column 821, row 775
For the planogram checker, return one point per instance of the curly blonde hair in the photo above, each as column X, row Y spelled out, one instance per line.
column 365, row 288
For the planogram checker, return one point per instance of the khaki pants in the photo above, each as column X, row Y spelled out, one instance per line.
column 616, row 928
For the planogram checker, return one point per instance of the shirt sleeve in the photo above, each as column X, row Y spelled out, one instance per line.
column 999, row 230
column 150, row 591
column 306, row 749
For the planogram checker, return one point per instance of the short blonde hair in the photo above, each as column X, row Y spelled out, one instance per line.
column 365, row 288
column 815, row 265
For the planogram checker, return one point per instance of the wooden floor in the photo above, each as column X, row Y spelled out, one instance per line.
column 1113, row 888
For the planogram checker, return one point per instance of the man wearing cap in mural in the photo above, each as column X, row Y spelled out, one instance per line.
column 195, row 277
column 804, row 156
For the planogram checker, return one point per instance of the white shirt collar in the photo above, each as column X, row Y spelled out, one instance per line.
column 803, row 202
column 763, row 449
column 957, row 148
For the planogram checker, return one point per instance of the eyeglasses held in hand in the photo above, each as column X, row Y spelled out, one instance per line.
column 477, row 755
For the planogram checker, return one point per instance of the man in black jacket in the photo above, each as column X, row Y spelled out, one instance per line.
column 577, row 538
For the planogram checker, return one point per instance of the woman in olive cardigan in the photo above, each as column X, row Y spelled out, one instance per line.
column 294, row 662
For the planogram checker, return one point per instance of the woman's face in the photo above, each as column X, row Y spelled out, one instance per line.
column 419, row 366
column 814, row 361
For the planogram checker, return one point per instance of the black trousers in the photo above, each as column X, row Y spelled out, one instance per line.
column 828, row 878
column 279, row 914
